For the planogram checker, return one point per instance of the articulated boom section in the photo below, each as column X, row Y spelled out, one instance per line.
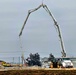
column 55, row 23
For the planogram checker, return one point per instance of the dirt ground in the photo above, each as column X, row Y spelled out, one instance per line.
column 37, row 71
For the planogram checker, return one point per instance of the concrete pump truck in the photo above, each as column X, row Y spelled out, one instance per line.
column 64, row 63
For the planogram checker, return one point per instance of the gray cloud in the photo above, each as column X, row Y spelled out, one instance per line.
column 39, row 34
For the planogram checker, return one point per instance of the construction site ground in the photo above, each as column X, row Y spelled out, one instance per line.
column 37, row 71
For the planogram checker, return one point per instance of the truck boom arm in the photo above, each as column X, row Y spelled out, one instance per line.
column 29, row 12
column 58, row 30
column 55, row 23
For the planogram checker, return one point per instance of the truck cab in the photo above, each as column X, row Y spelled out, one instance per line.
column 65, row 63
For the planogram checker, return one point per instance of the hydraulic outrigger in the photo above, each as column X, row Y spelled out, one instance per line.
column 55, row 23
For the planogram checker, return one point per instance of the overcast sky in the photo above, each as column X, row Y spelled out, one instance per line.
column 39, row 34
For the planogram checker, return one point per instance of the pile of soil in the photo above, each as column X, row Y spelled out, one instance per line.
column 38, row 72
